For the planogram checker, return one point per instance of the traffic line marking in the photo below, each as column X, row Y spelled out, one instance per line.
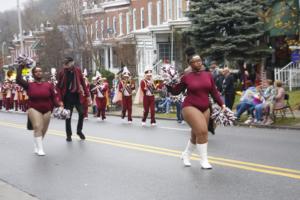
column 290, row 173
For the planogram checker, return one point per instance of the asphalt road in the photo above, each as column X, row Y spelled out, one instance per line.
column 130, row 162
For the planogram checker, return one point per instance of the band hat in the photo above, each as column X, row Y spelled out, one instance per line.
column 94, row 78
column 147, row 70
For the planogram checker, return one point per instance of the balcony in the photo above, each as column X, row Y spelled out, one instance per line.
column 114, row 3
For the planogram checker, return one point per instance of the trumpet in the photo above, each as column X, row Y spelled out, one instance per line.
column 130, row 82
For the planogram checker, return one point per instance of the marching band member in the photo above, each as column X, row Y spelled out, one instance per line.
column 85, row 100
column 101, row 100
column 126, row 87
column 147, row 88
column 93, row 96
column 16, row 97
column 1, row 96
column 8, row 94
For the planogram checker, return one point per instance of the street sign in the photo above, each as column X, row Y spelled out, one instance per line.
column 295, row 56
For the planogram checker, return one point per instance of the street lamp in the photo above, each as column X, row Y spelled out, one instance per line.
column 3, row 58
column 20, row 26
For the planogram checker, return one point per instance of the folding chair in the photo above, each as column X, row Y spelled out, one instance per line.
column 282, row 111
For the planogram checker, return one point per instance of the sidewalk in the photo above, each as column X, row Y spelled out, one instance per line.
column 137, row 112
column 8, row 192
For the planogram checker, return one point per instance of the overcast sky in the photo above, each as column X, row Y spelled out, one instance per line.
column 9, row 4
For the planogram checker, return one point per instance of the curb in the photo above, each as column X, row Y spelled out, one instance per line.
column 269, row 126
column 238, row 124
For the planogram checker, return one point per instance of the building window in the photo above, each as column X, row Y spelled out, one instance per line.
column 164, row 50
column 107, row 24
column 158, row 12
column 102, row 28
column 149, row 13
column 127, row 23
column 86, row 32
column 179, row 9
column 134, row 19
column 121, row 24
column 114, row 25
column 165, row 10
column 142, row 18
column 188, row 3
column 170, row 9
column 92, row 32
column 96, row 29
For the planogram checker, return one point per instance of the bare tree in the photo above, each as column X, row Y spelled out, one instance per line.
column 52, row 49
column 79, row 30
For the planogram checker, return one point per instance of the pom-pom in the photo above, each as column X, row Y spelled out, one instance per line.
column 223, row 118
column 169, row 74
column 61, row 113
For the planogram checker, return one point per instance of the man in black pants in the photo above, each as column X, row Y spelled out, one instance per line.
column 72, row 90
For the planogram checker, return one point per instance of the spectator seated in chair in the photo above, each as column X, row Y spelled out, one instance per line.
column 281, row 101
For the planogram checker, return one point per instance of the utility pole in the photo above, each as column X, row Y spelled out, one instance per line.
column 3, row 57
column 20, row 27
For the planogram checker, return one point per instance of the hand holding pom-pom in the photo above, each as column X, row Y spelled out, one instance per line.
column 224, row 117
column 61, row 113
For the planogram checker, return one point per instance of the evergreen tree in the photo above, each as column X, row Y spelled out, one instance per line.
column 228, row 29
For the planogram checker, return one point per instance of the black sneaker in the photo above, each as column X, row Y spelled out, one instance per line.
column 81, row 136
column 69, row 139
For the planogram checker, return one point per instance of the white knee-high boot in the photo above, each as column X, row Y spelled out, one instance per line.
column 39, row 142
column 35, row 145
column 186, row 155
column 202, row 148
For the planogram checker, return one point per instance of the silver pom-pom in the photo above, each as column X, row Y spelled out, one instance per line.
column 169, row 74
column 223, row 118
column 61, row 113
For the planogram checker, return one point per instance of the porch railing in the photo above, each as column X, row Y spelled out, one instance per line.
column 289, row 75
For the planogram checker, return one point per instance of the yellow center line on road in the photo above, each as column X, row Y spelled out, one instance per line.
column 290, row 173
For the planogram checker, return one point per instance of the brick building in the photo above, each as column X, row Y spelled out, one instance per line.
column 31, row 42
column 136, row 33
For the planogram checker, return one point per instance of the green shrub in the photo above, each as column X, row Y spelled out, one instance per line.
column 107, row 74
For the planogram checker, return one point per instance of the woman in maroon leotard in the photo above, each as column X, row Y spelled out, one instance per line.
column 41, row 101
column 199, row 85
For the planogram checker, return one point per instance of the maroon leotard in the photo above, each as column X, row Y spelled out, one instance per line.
column 41, row 94
column 199, row 85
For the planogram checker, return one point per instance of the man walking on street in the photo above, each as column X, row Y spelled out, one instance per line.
column 72, row 92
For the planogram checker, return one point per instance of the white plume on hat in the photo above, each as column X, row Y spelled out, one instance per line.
column 53, row 71
column 98, row 74
column 84, row 72
column 125, row 71
column 94, row 78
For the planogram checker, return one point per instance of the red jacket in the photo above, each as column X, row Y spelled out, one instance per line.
column 80, row 88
